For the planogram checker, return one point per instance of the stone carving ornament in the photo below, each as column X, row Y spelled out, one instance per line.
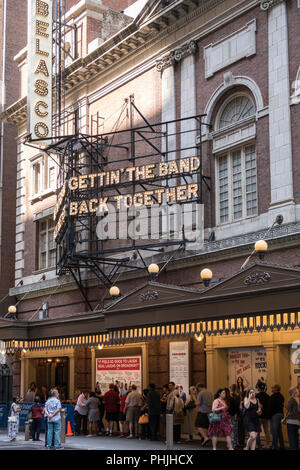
column 148, row 296
column 176, row 55
column 257, row 278
column 266, row 4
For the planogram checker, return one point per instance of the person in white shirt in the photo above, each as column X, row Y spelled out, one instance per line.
column 132, row 409
column 80, row 414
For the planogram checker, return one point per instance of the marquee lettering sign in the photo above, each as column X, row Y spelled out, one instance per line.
column 39, row 93
column 77, row 187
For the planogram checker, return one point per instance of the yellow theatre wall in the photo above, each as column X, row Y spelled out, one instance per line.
column 276, row 343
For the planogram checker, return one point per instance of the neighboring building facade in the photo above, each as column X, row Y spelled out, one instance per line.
column 10, row 92
column 238, row 63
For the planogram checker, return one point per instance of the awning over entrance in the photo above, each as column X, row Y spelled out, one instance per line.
column 279, row 321
column 261, row 297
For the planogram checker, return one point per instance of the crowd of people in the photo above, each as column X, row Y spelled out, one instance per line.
column 238, row 414
column 130, row 413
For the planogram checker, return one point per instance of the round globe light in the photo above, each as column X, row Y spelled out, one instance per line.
column 261, row 245
column 261, row 248
column 206, row 274
column 114, row 291
column 12, row 309
column 153, row 268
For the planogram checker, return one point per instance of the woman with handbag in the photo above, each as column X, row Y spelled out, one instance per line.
column 13, row 420
column 219, row 420
column 191, row 411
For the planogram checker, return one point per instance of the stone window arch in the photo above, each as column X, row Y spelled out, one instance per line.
column 234, row 110
column 230, row 83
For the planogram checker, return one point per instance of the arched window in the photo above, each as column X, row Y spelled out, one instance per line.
column 239, row 108
column 236, row 173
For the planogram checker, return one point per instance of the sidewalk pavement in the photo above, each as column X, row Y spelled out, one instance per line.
column 96, row 443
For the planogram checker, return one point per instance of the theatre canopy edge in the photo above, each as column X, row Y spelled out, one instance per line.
column 259, row 289
column 79, row 324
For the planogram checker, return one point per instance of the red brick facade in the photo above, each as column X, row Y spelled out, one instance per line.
column 146, row 89
column 11, row 43
column 132, row 77
column 294, row 64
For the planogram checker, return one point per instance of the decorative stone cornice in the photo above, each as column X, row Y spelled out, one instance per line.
column 266, row 4
column 176, row 55
column 16, row 113
column 143, row 31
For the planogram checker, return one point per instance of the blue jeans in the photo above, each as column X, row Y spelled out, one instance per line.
column 54, row 428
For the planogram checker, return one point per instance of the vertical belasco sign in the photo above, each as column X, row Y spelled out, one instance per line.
column 39, row 93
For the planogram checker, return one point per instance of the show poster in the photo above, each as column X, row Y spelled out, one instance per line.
column 179, row 364
column 2, row 352
column 295, row 362
column 121, row 371
column 248, row 363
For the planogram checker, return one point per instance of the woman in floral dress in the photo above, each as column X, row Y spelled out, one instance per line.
column 221, row 428
column 13, row 425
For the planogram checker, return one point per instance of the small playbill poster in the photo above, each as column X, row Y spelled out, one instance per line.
column 121, row 371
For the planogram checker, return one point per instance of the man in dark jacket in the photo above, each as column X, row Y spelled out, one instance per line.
column 276, row 403
column 153, row 403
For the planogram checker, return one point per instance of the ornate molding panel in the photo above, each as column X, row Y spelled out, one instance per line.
column 148, row 296
column 176, row 55
column 236, row 46
column 266, row 4
column 257, row 278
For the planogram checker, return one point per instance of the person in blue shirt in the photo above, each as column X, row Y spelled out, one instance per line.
column 52, row 412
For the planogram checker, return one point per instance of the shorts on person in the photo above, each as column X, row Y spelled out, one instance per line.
column 132, row 414
column 111, row 416
column 94, row 416
column 122, row 416
column 202, row 420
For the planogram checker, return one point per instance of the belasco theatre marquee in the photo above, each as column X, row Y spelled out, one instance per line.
column 205, row 285
column 156, row 315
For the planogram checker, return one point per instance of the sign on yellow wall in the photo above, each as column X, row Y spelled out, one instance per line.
column 39, row 93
